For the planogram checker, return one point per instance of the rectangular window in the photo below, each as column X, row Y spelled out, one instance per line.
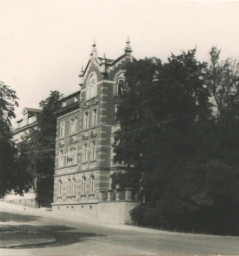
column 86, row 120
column 71, row 156
column 84, row 153
column 74, row 187
column 73, row 125
column 83, row 185
column 94, row 117
column 61, row 158
column 92, row 184
column 93, row 151
column 62, row 129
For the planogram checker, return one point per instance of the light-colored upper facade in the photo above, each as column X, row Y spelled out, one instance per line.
column 85, row 124
column 25, row 124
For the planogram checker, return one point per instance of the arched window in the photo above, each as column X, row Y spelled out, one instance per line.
column 120, row 87
column 91, row 86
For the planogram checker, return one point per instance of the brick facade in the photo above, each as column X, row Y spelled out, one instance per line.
column 85, row 124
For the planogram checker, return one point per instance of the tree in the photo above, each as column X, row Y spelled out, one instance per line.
column 38, row 149
column 162, row 107
column 223, row 81
column 176, row 151
column 12, row 176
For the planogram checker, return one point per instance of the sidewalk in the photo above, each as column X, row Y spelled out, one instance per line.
column 83, row 219
column 18, row 209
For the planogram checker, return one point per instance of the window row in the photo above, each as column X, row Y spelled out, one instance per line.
column 72, row 127
column 70, row 158
column 71, row 186
column 89, row 120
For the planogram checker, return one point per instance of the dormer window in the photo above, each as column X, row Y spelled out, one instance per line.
column 64, row 104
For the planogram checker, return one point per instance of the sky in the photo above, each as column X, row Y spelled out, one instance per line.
column 44, row 43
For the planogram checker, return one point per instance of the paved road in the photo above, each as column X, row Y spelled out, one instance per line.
column 73, row 237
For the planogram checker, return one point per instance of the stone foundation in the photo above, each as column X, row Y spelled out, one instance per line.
column 113, row 207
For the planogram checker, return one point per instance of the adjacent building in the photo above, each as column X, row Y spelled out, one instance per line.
column 84, row 155
column 23, row 128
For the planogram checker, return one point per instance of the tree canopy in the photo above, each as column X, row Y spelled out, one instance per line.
column 38, row 149
column 12, row 175
column 179, row 153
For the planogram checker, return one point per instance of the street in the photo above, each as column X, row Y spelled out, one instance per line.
column 26, row 231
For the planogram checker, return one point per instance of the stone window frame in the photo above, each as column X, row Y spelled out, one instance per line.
column 84, row 152
column 62, row 129
column 72, row 155
column 86, row 120
column 61, row 158
column 92, row 184
column 83, row 185
column 73, row 125
column 60, row 188
column 94, row 117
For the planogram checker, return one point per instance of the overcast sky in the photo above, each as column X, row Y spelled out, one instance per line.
column 44, row 43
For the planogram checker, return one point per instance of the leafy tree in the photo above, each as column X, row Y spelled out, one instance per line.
column 223, row 81
column 179, row 155
column 159, row 113
column 38, row 150
column 12, row 176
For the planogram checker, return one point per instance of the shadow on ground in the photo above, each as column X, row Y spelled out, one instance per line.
column 63, row 235
column 7, row 217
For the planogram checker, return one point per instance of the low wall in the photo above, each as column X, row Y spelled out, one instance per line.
column 28, row 199
column 115, row 212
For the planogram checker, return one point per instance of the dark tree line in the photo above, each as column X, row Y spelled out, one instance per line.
column 37, row 150
column 12, row 173
column 179, row 142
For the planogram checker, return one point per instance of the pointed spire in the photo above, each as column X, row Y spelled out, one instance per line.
column 128, row 49
column 103, row 65
column 93, row 51
column 81, row 75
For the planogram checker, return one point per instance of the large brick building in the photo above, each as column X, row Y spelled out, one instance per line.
column 84, row 156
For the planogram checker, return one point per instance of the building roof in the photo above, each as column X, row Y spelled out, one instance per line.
column 35, row 110
column 70, row 95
